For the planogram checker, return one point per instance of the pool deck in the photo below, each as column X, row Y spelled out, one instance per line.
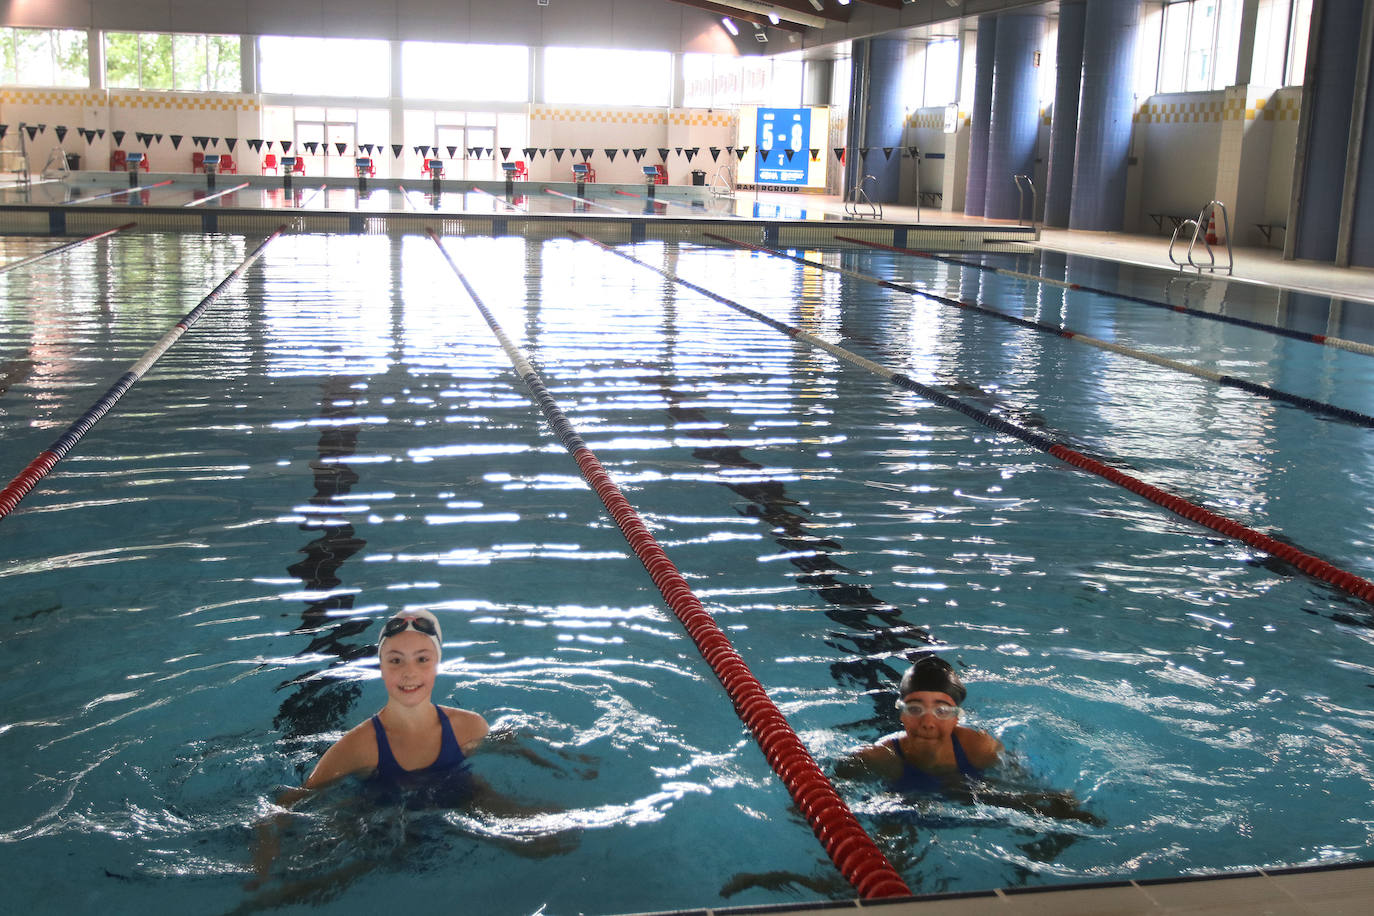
column 1334, row 890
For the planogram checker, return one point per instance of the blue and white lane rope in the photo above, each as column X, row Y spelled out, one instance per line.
column 1313, row 566
column 1265, row 391
column 1354, row 346
column 15, row 265
column 845, row 841
column 39, row 467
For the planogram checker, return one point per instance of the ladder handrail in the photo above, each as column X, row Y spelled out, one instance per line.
column 1021, row 200
column 1198, row 232
column 723, row 182
column 858, row 197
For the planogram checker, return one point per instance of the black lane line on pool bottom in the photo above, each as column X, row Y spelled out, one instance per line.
column 847, row 844
column 1354, row 346
column 1313, row 566
column 323, row 704
column 1274, row 394
column 15, row 265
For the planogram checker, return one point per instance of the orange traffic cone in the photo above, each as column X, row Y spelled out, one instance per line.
column 1212, row 227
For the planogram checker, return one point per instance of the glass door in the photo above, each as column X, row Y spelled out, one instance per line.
column 484, row 166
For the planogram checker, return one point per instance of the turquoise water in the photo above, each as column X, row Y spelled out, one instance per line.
column 190, row 596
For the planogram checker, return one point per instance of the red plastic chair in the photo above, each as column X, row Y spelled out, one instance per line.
column 299, row 167
column 144, row 164
column 521, row 172
column 227, row 165
column 197, row 161
column 269, row 161
column 119, row 160
column 433, row 168
column 364, row 167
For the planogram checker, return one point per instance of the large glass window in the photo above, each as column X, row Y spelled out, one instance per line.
column 189, row 63
column 1198, row 45
column 484, row 73
column 44, row 57
column 352, row 67
column 606, row 77
column 941, row 73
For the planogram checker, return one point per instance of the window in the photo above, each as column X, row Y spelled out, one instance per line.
column 1301, row 18
column 486, row 73
column 189, row 63
column 606, row 77
column 351, row 67
column 44, row 57
column 1198, row 45
column 941, row 73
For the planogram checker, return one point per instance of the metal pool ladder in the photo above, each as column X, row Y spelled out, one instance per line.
column 1209, row 213
column 723, row 182
column 1023, row 182
column 860, row 205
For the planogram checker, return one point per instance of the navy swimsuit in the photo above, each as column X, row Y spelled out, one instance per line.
column 914, row 779
column 447, row 779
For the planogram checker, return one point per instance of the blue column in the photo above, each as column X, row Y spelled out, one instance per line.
column 1328, row 97
column 1105, row 109
column 885, row 118
column 1064, row 129
column 1362, row 228
column 1015, row 111
column 980, row 118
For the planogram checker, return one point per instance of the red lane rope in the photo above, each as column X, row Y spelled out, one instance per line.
column 61, row 248
column 39, row 467
column 845, row 841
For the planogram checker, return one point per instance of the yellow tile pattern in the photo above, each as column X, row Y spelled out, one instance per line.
column 632, row 116
column 1179, row 112
column 50, row 97
column 1282, row 108
column 174, row 101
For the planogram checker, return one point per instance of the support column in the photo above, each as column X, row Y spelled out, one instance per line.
column 884, row 118
column 1355, row 244
column 980, row 118
column 1328, row 94
column 1104, row 116
column 1015, row 118
column 1064, row 129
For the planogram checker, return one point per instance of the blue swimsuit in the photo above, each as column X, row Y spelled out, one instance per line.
column 448, row 778
column 914, row 779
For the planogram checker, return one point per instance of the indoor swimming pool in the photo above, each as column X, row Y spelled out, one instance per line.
column 191, row 596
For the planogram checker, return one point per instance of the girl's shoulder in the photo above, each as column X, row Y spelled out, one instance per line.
column 469, row 728
column 982, row 749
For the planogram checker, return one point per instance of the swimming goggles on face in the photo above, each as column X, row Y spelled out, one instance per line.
column 418, row 624
column 916, row 709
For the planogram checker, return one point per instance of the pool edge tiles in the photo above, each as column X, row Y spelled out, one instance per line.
column 1346, row 887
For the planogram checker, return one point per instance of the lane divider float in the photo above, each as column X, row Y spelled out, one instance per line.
column 39, row 467
column 848, row 845
column 1353, row 346
column 15, row 265
column 583, row 200
column 1313, row 566
column 216, row 196
column 1274, row 394
column 122, row 191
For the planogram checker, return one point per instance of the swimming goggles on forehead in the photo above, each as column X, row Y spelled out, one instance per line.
column 418, row 624
column 916, row 709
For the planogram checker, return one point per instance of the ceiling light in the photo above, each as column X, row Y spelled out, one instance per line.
column 729, row 25
column 817, row 5
column 773, row 16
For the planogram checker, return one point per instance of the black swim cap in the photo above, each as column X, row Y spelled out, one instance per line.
column 932, row 673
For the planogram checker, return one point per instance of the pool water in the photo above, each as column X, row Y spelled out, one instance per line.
column 191, row 596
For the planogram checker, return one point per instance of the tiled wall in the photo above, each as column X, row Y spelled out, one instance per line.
column 599, row 129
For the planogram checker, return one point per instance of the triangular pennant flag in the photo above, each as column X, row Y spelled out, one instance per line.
column 5, row 128
column 763, row 155
column 790, row 154
column 625, row 151
column 839, row 153
column 231, row 142
column 741, row 153
column 610, row 154
column 913, row 152
column 285, row 146
column 452, row 152
column 887, row 153
column 176, row 140
column 255, row 145
column 544, row 151
column 311, row 146
column 472, row 152
column 42, row 128
column 268, row 144
column 715, row 154
column 100, row 132
column 692, row 152
column 815, row 154
column 505, row 152
column 159, row 137
column 729, row 151
column 863, row 152
column 415, row 150
column 198, row 141
column 639, row 154
column 678, row 150
column 60, row 131
column 367, row 148
column 586, row 154
column 529, row 152
column 80, row 132
column 117, row 134
column 396, row 150
column 214, row 141
column 340, row 147
column 558, row 153
column 663, row 153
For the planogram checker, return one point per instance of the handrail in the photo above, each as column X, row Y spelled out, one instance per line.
column 1209, row 213
column 723, row 182
column 1021, row 201
column 858, row 198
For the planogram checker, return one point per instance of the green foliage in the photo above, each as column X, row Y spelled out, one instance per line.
column 121, row 60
